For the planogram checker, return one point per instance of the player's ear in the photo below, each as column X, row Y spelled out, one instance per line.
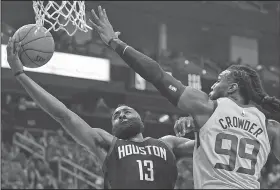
column 232, row 88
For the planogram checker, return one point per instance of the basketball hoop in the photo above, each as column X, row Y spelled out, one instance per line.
column 60, row 13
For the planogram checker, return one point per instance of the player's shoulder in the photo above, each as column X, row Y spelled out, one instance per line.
column 173, row 141
column 221, row 101
column 151, row 140
column 224, row 100
column 227, row 101
column 273, row 128
column 167, row 138
column 165, row 141
column 273, row 123
column 170, row 138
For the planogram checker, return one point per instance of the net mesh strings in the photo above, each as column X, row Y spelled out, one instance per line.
column 52, row 12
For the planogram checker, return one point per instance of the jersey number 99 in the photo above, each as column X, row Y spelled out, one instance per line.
column 146, row 170
column 232, row 152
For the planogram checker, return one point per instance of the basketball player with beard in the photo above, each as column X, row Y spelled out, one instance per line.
column 130, row 160
column 267, row 143
column 233, row 137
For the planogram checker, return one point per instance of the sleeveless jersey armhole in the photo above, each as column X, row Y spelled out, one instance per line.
column 270, row 136
column 197, row 128
column 168, row 148
column 174, row 159
column 104, row 166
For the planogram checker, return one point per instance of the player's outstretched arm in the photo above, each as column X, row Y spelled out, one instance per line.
column 273, row 130
column 188, row 99
column 71, row 122
column 181, row 147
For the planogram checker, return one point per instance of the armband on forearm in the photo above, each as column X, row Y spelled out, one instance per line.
column 150, row 70
column 170, row 88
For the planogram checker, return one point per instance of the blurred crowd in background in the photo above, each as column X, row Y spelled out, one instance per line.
column 24, row 170
column 33, row 145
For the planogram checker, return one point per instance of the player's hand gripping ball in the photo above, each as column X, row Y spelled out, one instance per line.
column 12, row 56
column 183, row 125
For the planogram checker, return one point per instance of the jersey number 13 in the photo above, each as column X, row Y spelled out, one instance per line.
column 146, row 170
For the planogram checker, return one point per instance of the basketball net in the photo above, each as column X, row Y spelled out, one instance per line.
column 58, row 14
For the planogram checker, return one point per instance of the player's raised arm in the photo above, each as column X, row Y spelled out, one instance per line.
column 71, row 122
column 188, row 99
column 273, row 130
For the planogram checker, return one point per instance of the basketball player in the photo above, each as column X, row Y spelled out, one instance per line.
column 233, row 140
column 272, row 141
column 132, row 161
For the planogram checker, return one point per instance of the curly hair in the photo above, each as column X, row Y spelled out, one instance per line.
column 251, row 88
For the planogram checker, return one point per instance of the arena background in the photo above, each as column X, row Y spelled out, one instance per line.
column 193, row 41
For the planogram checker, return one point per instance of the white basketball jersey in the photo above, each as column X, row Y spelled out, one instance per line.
column 231, row 148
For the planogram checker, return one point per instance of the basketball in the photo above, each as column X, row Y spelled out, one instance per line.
column 37, row 46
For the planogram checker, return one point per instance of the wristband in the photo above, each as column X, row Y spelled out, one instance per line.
column 18, row 73
column 125, row 49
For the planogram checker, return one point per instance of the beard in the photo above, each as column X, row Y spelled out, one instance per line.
column 210, row 95
column 214, row 95
column 129, row 129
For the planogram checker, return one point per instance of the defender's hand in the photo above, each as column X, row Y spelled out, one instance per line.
column 183, row 125
column 12, row 56
column 102, row 25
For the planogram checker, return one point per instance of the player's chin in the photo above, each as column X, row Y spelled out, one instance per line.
column 128, row 129
column 211, row 95
column 127, row 133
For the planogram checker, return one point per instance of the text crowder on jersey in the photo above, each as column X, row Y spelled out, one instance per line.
column 240, row 123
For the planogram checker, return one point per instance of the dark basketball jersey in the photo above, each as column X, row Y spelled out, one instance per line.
column 139, row 165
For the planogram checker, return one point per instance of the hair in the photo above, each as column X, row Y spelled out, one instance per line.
column 124, row 105
column 120, row 105
column 251, row 88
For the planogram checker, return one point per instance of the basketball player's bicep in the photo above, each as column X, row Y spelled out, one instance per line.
column 274, row 130
column 84, row 134
column 195, row 102
column 102, row 138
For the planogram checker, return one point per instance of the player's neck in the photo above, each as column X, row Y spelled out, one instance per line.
column 238, row 99
column 137, row 138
